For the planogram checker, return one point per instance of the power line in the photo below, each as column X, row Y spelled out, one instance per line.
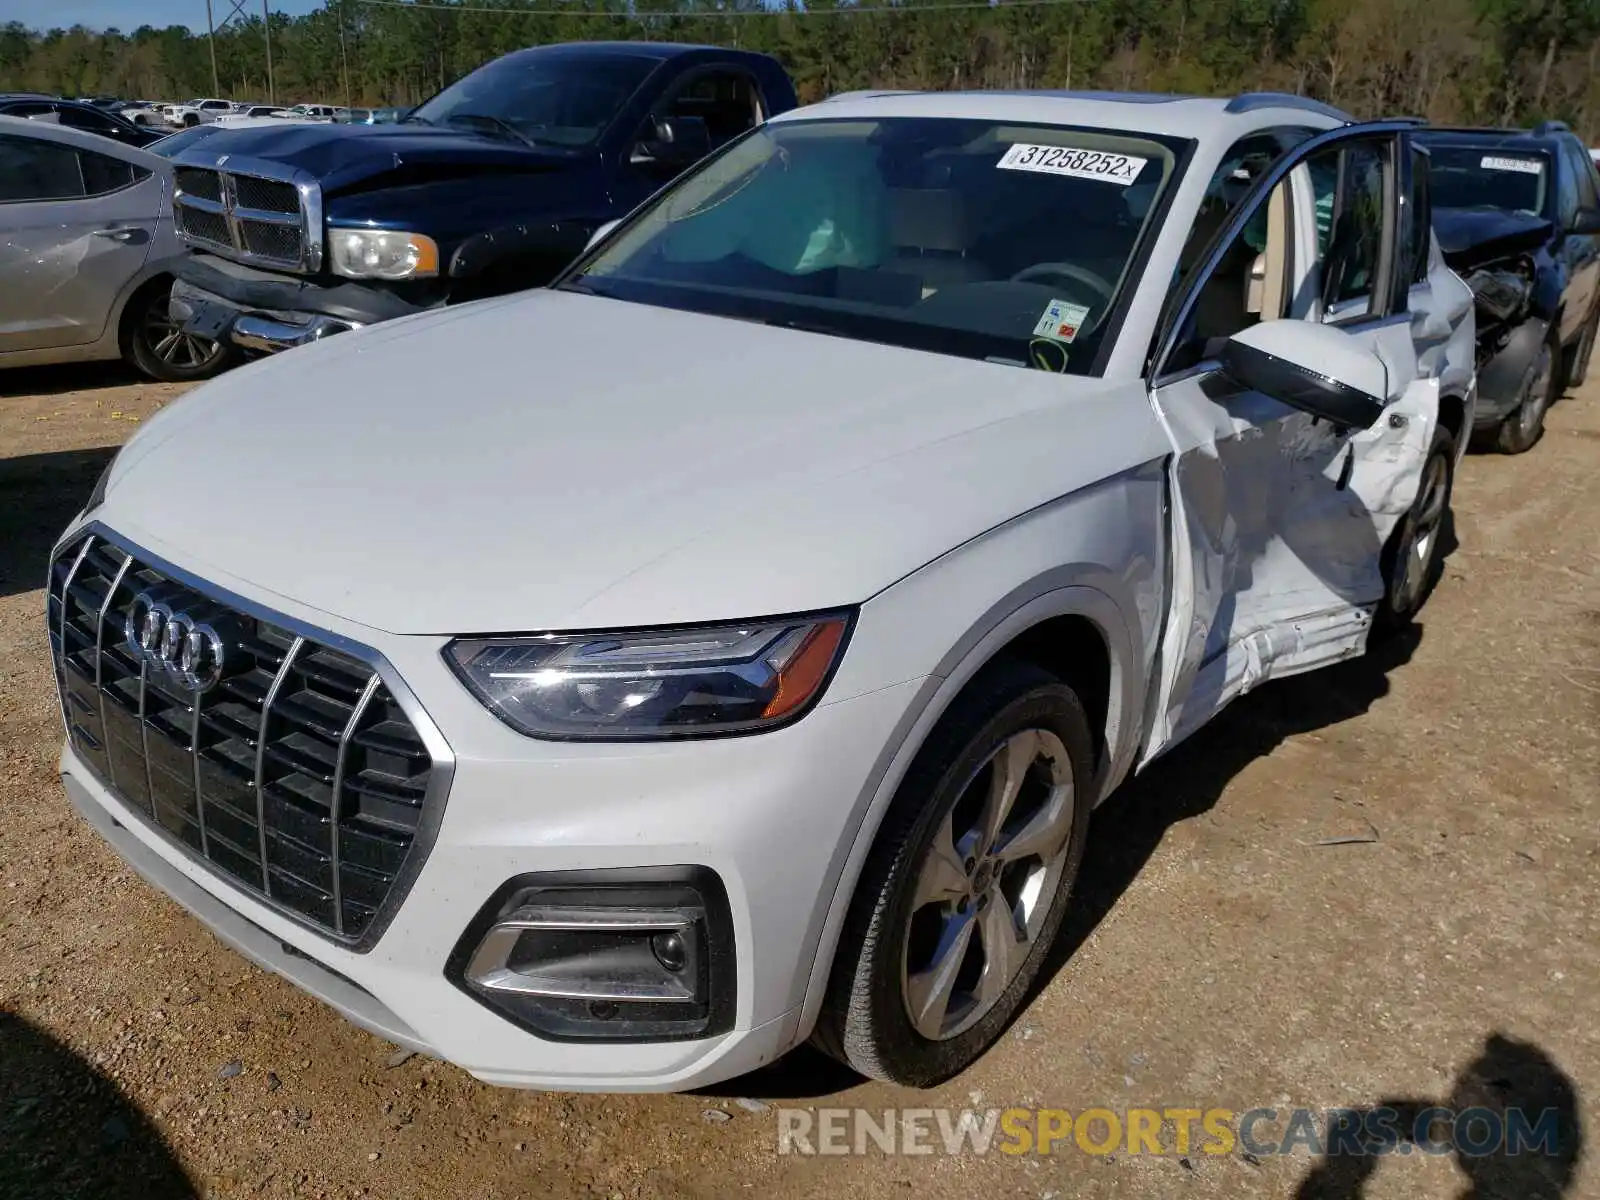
column 714, row 14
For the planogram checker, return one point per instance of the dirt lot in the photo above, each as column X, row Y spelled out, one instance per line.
column 1219, row 956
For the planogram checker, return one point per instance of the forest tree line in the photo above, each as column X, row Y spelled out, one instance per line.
column 1469, row 61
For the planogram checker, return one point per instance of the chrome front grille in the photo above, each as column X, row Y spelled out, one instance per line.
column 298, row 776
column 249, row 217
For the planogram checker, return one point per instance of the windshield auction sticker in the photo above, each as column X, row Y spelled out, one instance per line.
column 1061, row 321
column 1527, row 166
column 1121, row 169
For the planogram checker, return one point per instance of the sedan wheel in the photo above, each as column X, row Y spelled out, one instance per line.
column 1411, row 560
column 967, row 881
column 161, row 349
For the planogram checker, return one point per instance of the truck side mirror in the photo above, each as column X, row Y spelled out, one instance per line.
column 675, row 142
column 1585, row 221
column 1316, row 368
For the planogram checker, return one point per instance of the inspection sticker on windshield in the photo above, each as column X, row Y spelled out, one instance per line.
column 1120, row 169
column 1061, row 321
column 1527, row 166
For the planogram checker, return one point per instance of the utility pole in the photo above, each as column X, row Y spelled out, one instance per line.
column 211, row 41
column 266, row 26
column 344, row 57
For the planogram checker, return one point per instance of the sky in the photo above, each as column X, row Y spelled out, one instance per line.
column 128, row 15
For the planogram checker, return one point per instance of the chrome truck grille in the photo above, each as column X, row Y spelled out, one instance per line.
column 254, row 215
column 291, row 770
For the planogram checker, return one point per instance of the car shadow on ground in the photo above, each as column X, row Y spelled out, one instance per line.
column 69, row 377
column 67, row 1131
column 1129, row 827
column 39, row 495
column 1509, row 1083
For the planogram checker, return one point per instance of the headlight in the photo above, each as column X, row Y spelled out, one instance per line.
column 383, row 254
column 657, row 684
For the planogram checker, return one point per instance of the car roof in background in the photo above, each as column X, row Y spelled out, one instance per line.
column 1523, row 139
column 1197, row 117
column 81, row 139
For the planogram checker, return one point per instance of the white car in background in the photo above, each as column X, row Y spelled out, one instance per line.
column 323, row 113
column 197, row 112
column 737, row 656
column 247, row 114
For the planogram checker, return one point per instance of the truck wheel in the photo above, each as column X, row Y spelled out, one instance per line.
column 1411, row 561
column 1541, row 387
column 967, row 882
column 190, row 120
column 155, row 343
column 1584, row 350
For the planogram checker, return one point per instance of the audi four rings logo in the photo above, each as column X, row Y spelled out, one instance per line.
column 191, row 653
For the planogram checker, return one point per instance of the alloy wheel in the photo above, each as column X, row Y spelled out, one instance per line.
column 983, row 890
column 1541, row 393
column 167, row 341
column 1422, row 537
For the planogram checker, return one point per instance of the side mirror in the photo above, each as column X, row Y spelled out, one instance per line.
column 600, row 234
column 1586, row 221
column 675, row 142
column 1316, row 368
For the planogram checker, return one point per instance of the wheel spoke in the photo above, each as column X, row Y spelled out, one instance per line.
column 1009, row 768
column 1045, row 833
column 943, row 878
column 165, row 348
column 929, row 991
column 1003, row 948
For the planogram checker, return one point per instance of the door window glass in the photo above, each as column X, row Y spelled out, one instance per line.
column 1582, row 167
column 1566, row 194
column 1418, row 229
column 1348, row 189
column 78, row 118
column 725, row 100
column 38, row 170
column 1249, row 284
column 102, row 173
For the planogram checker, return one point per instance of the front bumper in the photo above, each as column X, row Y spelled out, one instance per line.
column 773, row 816
column 272, row 311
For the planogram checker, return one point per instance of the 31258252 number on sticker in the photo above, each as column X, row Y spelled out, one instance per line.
column 1121, row 169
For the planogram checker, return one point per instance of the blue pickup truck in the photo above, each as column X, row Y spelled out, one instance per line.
column 493, row 185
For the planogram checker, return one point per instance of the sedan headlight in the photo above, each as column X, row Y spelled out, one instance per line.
column 383, row 254
column 673, row 683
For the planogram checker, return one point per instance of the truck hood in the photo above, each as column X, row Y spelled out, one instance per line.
column 559, row 461
column 343, row 155
column 1470, row 237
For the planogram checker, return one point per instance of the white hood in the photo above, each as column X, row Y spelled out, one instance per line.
column 551, row 460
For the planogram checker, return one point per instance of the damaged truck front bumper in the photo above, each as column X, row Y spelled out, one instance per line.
column 265, row 312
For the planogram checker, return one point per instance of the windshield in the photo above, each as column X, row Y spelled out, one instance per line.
column 1003, row 242
column 1486, row 176
column 547, row 100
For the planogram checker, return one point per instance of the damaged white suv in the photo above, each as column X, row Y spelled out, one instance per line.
column 613, row 685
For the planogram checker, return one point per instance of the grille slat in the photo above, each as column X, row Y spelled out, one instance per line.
column 243, row 216
column 299, row 779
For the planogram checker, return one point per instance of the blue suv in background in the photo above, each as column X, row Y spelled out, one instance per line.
column 1517, row 213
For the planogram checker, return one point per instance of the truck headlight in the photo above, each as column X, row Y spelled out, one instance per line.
column 383, row 254
column 673, row 683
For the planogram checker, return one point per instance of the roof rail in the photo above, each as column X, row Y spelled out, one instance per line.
column 1409, row 120
column 1251, row 101
column 1547, row 127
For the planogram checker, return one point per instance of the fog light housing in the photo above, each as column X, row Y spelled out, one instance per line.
column 612, row 955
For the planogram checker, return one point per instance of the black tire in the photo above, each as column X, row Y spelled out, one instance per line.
column 865, row 1020
column 1408, row 580
column 146, row 330
column 1541, row 387
column 190, row 120
column 1584, row 350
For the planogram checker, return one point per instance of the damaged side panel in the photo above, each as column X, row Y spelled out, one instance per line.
column 65, row 262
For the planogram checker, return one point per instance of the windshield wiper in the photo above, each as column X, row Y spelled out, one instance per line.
column 488, row 123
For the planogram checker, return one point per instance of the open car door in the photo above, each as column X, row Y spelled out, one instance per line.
column 1280, row 516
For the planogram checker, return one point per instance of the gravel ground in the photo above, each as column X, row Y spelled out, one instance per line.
column 1219, row 956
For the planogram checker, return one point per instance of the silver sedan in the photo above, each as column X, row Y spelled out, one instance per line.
column 87, row 250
